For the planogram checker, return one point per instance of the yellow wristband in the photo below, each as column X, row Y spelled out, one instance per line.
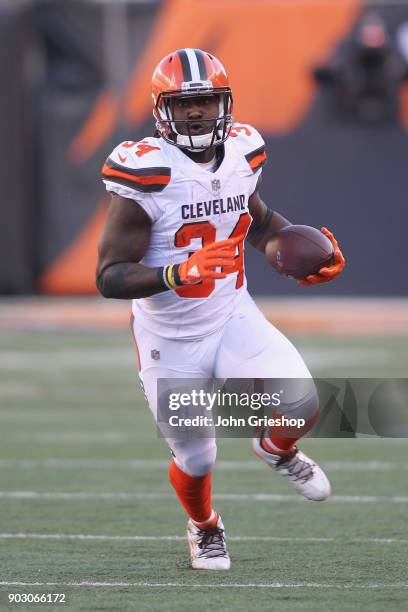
column 169, row 277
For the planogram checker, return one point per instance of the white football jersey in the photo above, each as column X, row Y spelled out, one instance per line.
column 190, row 207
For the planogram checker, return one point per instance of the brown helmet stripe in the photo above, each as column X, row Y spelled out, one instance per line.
column 185, row 64
column 201, row 64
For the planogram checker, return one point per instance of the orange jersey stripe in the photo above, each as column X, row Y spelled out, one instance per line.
column 144, row 180
column 257, row 160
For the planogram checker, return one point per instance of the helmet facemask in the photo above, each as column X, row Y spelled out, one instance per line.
column 220, row 126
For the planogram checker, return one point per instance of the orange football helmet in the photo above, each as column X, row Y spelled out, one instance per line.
column 191, row 72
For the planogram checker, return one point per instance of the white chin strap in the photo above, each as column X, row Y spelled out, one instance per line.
column 199, row 142
column 204, row 141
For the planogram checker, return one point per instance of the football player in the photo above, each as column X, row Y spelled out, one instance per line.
column 183, row 204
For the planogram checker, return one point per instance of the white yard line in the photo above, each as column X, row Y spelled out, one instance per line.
column 232, row 585
column 270, row 497
column 70, row 359
column 158, row 464
column 80, row 437
column 77, row 437
column 64, row 359
column 177, row 538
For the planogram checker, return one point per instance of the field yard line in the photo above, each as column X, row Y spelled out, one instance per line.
column 233, row 585
column 158, row 464
column 83, row 495
column 70, row 359
column 176, row 538
column 79, row 437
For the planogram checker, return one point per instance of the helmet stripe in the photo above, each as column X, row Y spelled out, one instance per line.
column 195, row 72
column 201, row 64
column 185, row 64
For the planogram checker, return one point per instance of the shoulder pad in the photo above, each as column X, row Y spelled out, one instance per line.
column 138, row 165
column 250, row 143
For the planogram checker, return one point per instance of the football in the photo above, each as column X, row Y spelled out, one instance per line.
column 299, row 250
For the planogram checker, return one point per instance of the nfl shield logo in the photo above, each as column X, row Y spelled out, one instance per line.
column 155, row 354
column 216, row 185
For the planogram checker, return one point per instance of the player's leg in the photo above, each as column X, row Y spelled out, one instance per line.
column 190, row 470
column 253, row 348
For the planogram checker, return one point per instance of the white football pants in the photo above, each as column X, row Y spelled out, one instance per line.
column 247, row 346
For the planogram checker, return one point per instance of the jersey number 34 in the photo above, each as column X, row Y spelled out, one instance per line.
column 207, row 232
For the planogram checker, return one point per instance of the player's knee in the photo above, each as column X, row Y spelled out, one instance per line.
column 199, row 459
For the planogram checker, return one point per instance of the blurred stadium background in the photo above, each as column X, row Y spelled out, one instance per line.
column 84, row 497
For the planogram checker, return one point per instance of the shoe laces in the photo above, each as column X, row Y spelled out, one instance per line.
column 211, row 542
column 297, row 468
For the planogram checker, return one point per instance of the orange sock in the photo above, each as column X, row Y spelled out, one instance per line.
column 208, row 524
column 194, row 493
column 277, row 446
column 283, row 446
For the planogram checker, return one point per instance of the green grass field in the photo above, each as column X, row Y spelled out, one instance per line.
column 86, row 509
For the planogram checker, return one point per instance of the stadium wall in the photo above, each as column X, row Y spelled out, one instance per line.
column 89, row 89
column 17, row 244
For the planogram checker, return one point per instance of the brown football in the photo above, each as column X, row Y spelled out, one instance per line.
column 299, row 250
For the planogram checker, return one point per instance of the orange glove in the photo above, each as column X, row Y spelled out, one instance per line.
column 328, row 273
column 201, row 264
